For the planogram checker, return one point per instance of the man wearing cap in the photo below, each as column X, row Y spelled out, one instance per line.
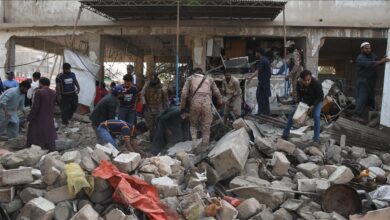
column 67, row 88
column 294, row 62
column 10, row 82
column 108, row 131
column 366, row 79
column 11, row 101
column 107, row 108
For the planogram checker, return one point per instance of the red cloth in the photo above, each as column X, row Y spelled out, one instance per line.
column 131, row 190
column 100, row 93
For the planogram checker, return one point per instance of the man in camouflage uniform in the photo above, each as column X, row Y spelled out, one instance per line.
column 294, row 62
column 200, row 109
column 232, row 96
column 155, row 100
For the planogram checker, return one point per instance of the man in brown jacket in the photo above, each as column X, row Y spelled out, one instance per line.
column 231, row 91
column 200, row 89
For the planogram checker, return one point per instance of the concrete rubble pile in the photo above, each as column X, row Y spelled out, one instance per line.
column 250, row 173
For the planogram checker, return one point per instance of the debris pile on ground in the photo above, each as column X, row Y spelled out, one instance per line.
column 250, row 173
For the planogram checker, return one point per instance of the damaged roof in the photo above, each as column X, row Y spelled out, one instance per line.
column 189, row 9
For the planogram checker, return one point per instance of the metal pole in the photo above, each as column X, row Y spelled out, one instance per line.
column 177, row 51
column 285, row 52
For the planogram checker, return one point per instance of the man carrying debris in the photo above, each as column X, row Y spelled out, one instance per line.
column 41, row 130
column 128, row 99
column 11, row 101
column 155, row 100
column 263, row 73
column 232, row 93
column 309, row 91
column 67, row 88
column 366, row 79
column 108, row 130
column 294, row 62
column 107, row 108
column 197, row 92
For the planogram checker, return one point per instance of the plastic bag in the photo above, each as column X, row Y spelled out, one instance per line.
column 76, row 179
column 131, row 190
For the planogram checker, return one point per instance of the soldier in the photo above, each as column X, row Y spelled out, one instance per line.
column 294, row 62
column 155, row 100
column 232, row 93
column 196, row 99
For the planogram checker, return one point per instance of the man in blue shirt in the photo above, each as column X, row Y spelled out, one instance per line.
column 10, row 82
column 67, row 88
column 128, row 99
column 108, row 130
column 366, row 79
column 263, row 73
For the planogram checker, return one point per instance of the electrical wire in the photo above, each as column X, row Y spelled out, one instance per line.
column 25, row 64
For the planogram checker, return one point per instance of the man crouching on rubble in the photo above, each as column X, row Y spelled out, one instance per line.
column 309, row 91
column 108, row 130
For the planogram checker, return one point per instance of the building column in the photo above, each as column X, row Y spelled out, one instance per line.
column 199, row 47
column 139, row 70
column 150, row 65
column 96, row 52
column 10, row 63
column 313, row 44
column 385, row 112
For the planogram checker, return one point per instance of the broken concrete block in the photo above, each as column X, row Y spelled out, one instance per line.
column 358, row 152
column 380, row 214
column 170, row 203
column 264, row 145
column 333, row 153
column 239, row 123
column 251, row 168
column 314, row 151
column 385, row 158
column 376, row 171
column 230, row 153
column 86, row 159
column 192, row 206
column 7, row 194
column 166, row 186
column 300, row 155
column 99, row 155
column 249, row 208
column 101, row 196
column 322, row 185
column 29, row 193
column 127, row 162
column 227, row 211
column 265, row 214
column 311, row 170
column 306, row 211
column 285, row 146
column 370, row 161
column 280, row 164
column 282, row 214
column 26, row 157
column 71, row 157
column 313, row 185
column 86, row 213
column 108, row 148
column 13, row 206
column 38, row 208
column 185, row 146
column 17, row 176
column 341, row 175
column 59, row 194
column 116, row 214
column 292, row 204
column 50, row 177
column 63, row 211
column 330, row 168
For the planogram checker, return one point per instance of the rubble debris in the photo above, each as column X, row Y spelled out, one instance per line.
column 7, row 194
column 285, row 146
column 380, row 214
column 249, row 208
column 341, row 175
column 38, row 208
column 280, row 164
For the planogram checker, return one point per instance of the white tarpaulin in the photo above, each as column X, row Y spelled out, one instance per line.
column 385, row 112
column 86, row 72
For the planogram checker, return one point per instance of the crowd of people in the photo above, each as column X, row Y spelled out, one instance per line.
column 115, row 110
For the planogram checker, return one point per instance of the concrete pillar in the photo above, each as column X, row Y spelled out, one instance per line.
column 10, row 45
column 4, row 38
column 139, row 70
column 96, row 52
column 314, row 42
column 199, row 47
column 385, row 113
column 150, row 65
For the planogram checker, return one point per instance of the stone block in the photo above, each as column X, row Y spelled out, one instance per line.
column 341, row 175
column 71, row 157
column 380, row 214
column 29, row 193
column 311, row 170
column 170, row 203
column 265, row 214
column 307, row 210
column 50, row 177
column 285, row 146
column 249, row 208
column 116, row 214
column 385, row 158
column 99, row 155
column 13, row 206
column 239, row 123
column 7, row 194
column 292, row 204
column 26, row 157
column 370, row 161
column 300, row 155
column 127, row 162
column 282, row 214
column 227, row 211
column 38, row 208
column 358, row 152
column 101, row 196
column 63, row 211
column 264, row 145
column 108, row 148
column 313, row 185
column 48, row 162
column 59, row 194
column 230, row 153
column 86, row 213
column 280, row 164
column 166, row 186
column 17, row 176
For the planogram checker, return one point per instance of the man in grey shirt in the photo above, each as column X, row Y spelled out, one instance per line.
column 107, row 108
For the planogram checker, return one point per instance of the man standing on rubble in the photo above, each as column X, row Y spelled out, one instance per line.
column 10, row 82
column 309, row 91
column 155, row 100
column 11, row 101
column 231, row 90
column 294, row 62
column 67, row 89
column 34, row 86
column 197, row 92
column 41, row 130
column 366, row 79
column 128, row 99
column 263, row 73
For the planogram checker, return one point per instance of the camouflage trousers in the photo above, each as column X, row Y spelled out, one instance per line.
column 151, row 122
column 201, row 116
